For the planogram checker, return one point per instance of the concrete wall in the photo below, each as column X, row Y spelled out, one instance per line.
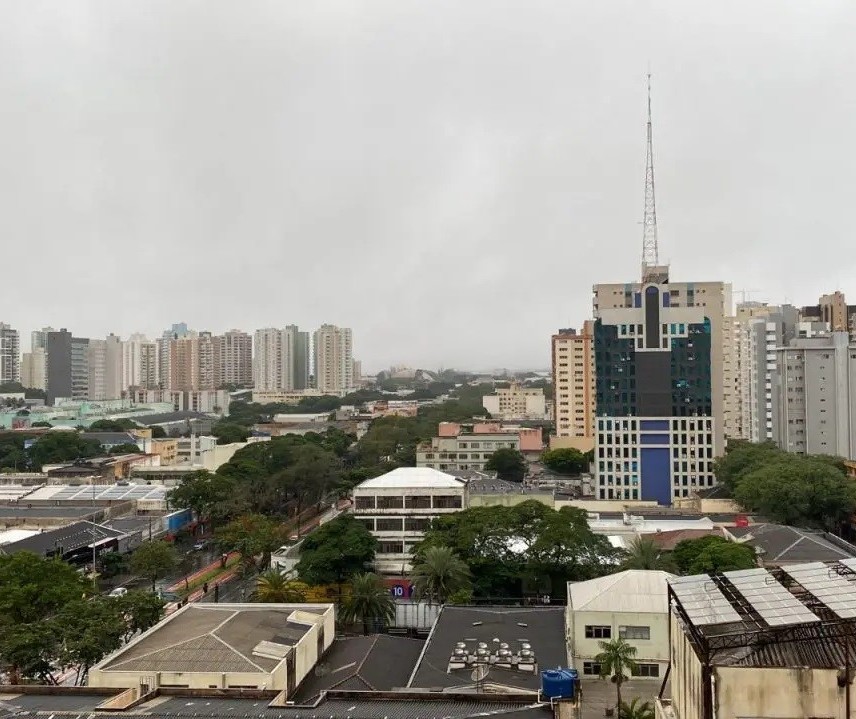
column 508, row 500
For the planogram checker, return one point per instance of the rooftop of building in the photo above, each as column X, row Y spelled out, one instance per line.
column 24, row 513
column 408, row 477
column 333, row 705
column 378, row 662
column 111, row 438
column 218, row 638
column 639, row 591
column 542, row 628
column 793, row 616
column 68, row 539
column 148, row 420
column 780, row 544
column 718, row 491
column 494, row 485
column 670, row 538
column 119, row 492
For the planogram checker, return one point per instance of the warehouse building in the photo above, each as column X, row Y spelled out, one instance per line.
column 767, row 644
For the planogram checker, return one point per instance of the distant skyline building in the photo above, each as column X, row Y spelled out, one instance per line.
column 10, row 354
column 139, row 363
column 333, row 359
column 814, row 395
column 34, row 369
column 233, row 359
column 104, row 365
column 573, row 388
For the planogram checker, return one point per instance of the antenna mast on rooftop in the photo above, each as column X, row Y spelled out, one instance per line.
column 650, row 252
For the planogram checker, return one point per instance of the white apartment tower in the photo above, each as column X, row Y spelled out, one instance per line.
column 233, row 359
column 104, row 364
column 334, row 359
column 139, row 363
column 10, row 354
column 274, row 359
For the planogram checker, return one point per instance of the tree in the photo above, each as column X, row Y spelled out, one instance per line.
column 438, row 573
column 88, row 631
column 202, row 492
column 153, row 560
column 645, row 554
column 369, row 601
column 565, row 461
column 509, row 464
column 158, row 432
column 712, row 554
column 142, row 610
column 799, row 491
column 277, row 586
column 61, row 446
column 616, row 662
column 336, row 551
column 637, row 709
column 35, row 588
column 125, row 448
column 111, row 564
column 41, row 424
column 253, row 535
column 112, row 425
column 229, row 432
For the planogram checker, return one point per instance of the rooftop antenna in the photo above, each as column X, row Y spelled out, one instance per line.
column 650, row 252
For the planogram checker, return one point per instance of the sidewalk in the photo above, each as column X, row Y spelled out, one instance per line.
column 190, row 578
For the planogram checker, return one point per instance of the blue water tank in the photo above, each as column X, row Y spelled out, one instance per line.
column 559, row 683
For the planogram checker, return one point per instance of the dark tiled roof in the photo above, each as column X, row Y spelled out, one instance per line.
column 110, row 438
column 377, row 662
column 71, row 537
column 166, row 417
column 543, row 628
column 777, row 543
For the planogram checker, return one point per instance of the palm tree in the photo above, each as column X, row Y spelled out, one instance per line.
column 637, row 709
column 616, row 661
column 645, row 554
column 276, row 586
column 438, row 573
column 369, row 599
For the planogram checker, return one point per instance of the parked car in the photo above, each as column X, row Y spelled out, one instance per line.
column 118, row 592
column 200, row 545
column 168, row 597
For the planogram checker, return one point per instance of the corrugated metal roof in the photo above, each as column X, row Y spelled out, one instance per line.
column 633, row 590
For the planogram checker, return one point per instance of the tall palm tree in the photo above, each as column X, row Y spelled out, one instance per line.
column 369, row 600
column 644, row 553
column 636, row 709
column 276, row 586
column 616, row 661
column 438, row 573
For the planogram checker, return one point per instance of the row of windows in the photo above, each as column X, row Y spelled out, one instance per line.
column 608, row 424
column 640, row 670
column 408, row 502
column 603, row 631
column 396, row 524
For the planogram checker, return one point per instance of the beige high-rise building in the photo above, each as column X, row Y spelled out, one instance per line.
column 233, row 359
column 573, row 388
column 104, row 361
column 139, row 363
column 334, row 359
column 190, row 362
column 34, row 369
column 274, row 359
column 10, row 354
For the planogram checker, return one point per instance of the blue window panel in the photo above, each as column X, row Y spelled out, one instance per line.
column 637, row 299
column 654, row 425
column 654, row 439
column 667, row 300
column 656, row 478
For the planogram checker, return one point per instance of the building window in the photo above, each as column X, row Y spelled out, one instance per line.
column 416, row 524
column 365, row 503
column 389, row 524
column 646, row 670
column 591, row 669
column 598, row 632
column 631, row 632
column 417, row 502
column 390, row 548
column 390, row 503
column 447, row 502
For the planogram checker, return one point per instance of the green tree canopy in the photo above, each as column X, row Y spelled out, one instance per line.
column 712, row 554
column 202, row 492
column 369, row 602
column 336, row 551
column 229, row 432
column 508, row 463
column 277, row 586
column 524, row 548
column 439, row 573
column 112, row 425
column 62, row 446
column 617, row 662
column 565, row 461
column 252, row 536
column 153, row 560
column 643, row 553
column 126, row 448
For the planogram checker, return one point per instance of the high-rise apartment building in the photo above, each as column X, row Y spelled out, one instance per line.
column 39, row 338
column 139, row 363
column 274, row 359
column 58, row 365
column 233, row 359
column 104, row 365
column 573, row 388
column 301, row 357
column 34, row 369
column 833, row 310
column 814, row 396
column 10, row 354
column 759, row 329
column 334, row 359
column 165, row 351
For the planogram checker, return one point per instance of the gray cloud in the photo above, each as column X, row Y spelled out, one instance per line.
column 447, row 178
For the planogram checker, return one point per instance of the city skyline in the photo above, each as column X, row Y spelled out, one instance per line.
column 236, row 185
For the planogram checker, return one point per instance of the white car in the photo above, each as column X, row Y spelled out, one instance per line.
column 118, row 592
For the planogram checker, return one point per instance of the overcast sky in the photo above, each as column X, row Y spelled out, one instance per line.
column 446, row 177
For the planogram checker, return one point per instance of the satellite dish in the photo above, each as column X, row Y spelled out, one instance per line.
column 479, row 673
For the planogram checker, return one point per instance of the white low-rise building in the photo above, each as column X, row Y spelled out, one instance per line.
column 631, row 605
column 398, row 506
